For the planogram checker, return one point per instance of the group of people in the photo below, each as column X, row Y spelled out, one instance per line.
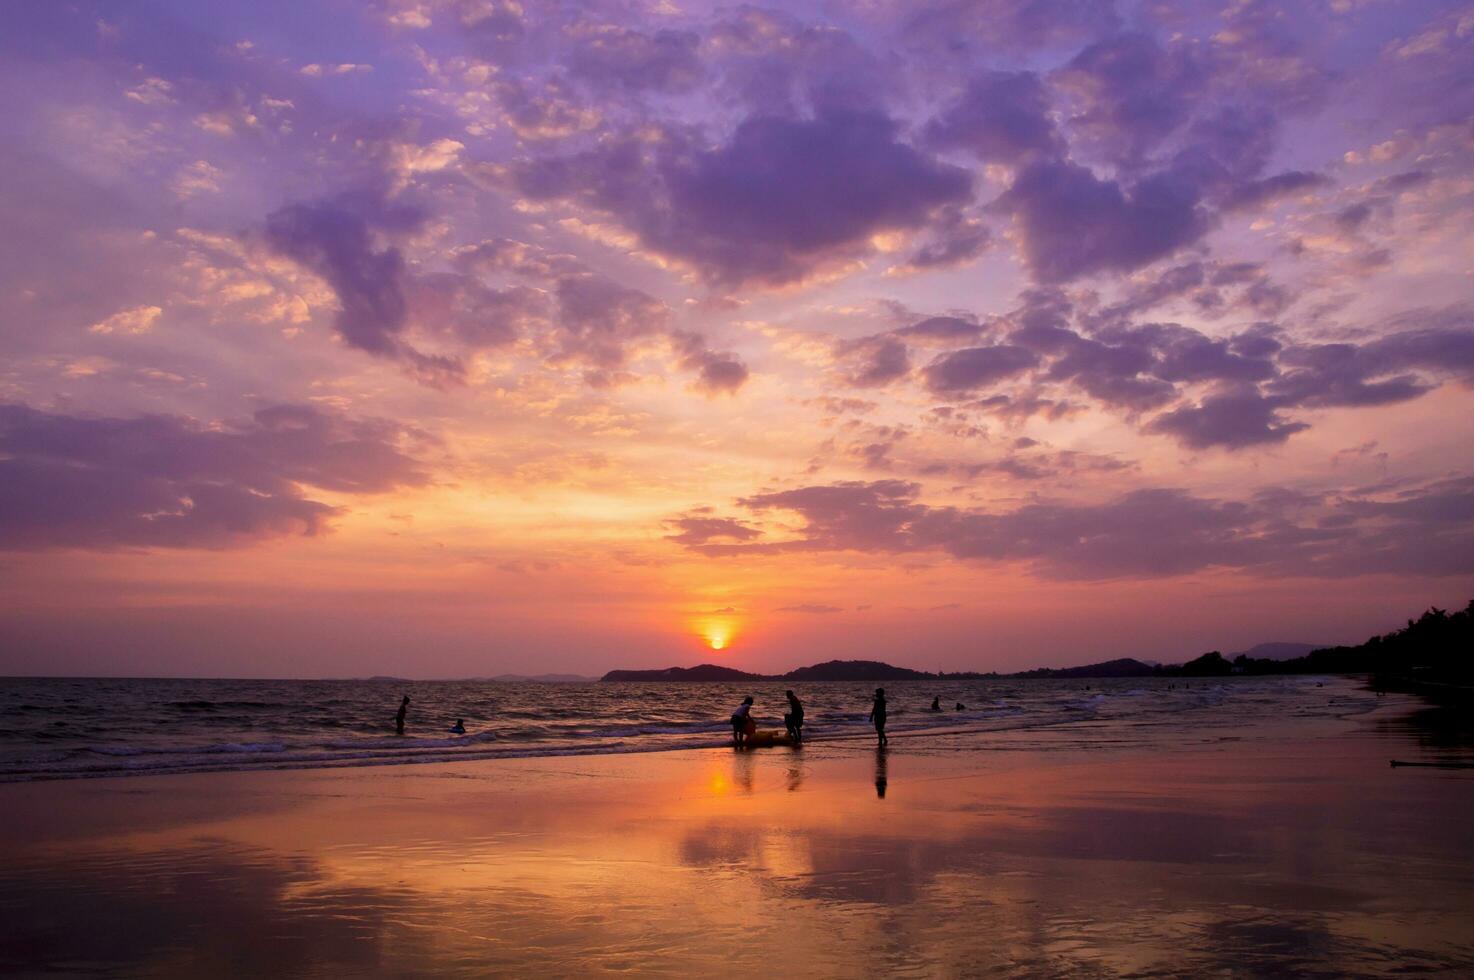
column 744, row 726
column 459, row 728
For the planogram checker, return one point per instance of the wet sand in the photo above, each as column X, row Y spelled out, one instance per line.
column 1297, row 850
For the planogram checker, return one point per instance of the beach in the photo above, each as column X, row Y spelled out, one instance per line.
column 1290, row 848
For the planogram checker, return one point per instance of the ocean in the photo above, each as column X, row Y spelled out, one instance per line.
column 61, row 728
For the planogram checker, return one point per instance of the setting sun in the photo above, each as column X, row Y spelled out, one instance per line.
column 716, row 633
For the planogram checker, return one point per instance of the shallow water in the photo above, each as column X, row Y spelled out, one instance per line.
column 1285, row 846
column 64, row 728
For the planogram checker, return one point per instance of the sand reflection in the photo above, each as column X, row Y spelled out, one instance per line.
column 717, row 862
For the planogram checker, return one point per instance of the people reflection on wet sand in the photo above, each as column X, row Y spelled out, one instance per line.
column 881, row 778
column 742, row 769
column 795, row 773
column 877, row 716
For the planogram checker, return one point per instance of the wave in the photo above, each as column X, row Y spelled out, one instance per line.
column 239, row 732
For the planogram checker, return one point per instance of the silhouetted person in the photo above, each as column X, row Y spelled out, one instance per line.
column 794, row 720
column 880, row 774
column 399, row 717
column 960, row 707
column 459, row 728
column 936, row 703
column 742, row 721
column 877, row 715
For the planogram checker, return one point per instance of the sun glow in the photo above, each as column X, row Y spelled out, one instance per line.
column 716, row 633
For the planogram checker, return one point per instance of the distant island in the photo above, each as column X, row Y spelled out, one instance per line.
column 1433, row 651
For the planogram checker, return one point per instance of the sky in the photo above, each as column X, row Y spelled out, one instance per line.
column 457, row 338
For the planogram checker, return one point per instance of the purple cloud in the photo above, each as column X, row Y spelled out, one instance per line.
column 1073, row 224
column 1131, row 93
column 875, row 361
column 665, row 61
column 962, row 371
column 1002, row 116
column 164, row 481
column 718, row 372
column 336, row 243
column 770, row 206
column 1232, row 420
column 1147, row 533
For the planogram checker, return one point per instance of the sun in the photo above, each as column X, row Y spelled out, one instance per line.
column 716, row 633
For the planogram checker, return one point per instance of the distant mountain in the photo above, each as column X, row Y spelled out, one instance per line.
column 1274, row 651
column 542, row 679
column 1434, row 649
column 855, row 670
column 1123, row 667
column 832, row 670
column 701, row 672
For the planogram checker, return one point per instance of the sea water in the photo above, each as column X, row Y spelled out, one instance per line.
column 53, row 728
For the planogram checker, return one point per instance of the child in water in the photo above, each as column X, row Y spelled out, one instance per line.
column 459, row 728
column 742, row 723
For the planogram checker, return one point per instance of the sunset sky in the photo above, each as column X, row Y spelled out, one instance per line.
column 456, row 338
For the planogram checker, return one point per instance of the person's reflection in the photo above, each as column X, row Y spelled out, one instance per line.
column 795, row 768
column 880, row 773
column 742, row 771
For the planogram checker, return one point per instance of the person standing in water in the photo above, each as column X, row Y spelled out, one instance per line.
column 877, row 716
column 794, row 720
column 936, row 703
column 459, row 728
column 740, row 720
column 399, row 718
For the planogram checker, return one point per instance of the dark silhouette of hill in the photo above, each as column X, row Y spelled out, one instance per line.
column 1274, row 651
column 701, row 672
column 1434, row 651
column 855, row 670
column 1124, row 667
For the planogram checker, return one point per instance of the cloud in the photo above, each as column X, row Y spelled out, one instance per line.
column 815, row 608
column 1232, row 420
column 665, row 61
column 1072, row 223
column 474, row 314
column 1146, row 533
column 954, row 239
column 1255, row 193
column 774, row 204
column 700, row 531
column 165, row 481
column 718, row 372
column 334, row 240
column 597, row 317
column 875, row 361
column 940, row 329
column 962, row 371
column 776, row 65
column 1130, row 94
column 140, row 319
column 967, row 27
column 1001, row 117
